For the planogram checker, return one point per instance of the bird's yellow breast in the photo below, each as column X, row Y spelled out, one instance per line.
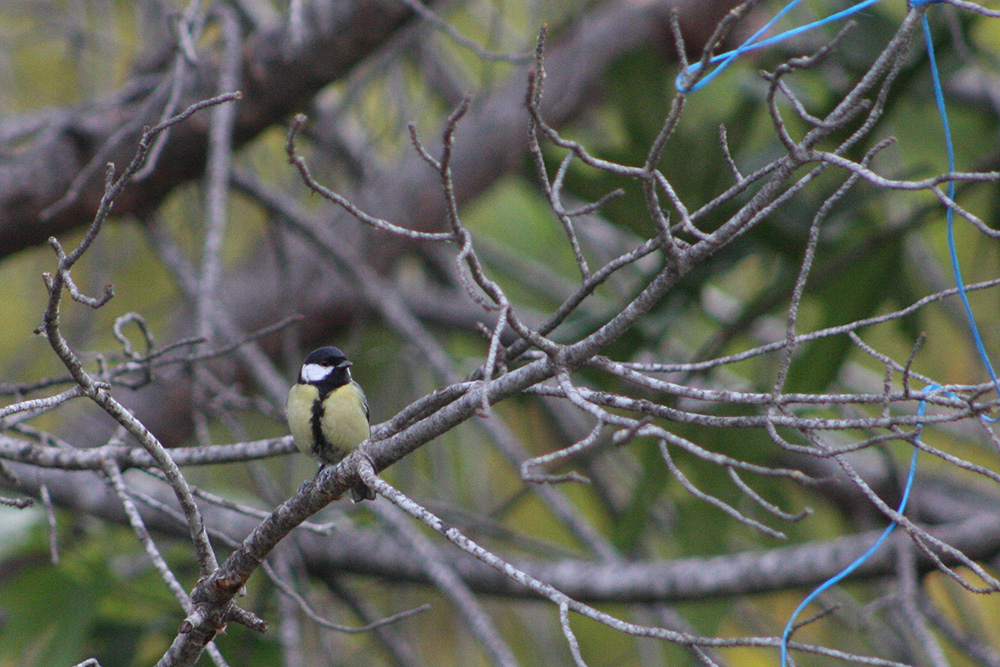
column 345, row 420
column 342, row 421
column 299, row 408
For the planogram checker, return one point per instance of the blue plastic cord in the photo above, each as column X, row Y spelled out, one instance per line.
column 957, row 272
column 752, row 44
column 863, row 557
column 949, row 212
column 724, row 60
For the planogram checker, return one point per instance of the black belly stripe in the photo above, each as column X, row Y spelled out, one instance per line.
column 322, row 449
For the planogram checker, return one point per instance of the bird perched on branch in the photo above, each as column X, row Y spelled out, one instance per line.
column 327, row 411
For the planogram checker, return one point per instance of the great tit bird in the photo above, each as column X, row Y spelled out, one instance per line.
column 327, row 411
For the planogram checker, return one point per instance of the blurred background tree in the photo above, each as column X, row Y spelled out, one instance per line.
column 725, row 459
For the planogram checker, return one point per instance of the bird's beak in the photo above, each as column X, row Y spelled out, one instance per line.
column 345, row 364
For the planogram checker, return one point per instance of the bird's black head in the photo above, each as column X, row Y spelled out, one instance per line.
column 326, row 368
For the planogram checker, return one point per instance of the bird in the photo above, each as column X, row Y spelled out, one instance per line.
column 327, row 411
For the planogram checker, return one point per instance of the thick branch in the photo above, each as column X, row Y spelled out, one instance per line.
column 372, row 553
column 279, row 77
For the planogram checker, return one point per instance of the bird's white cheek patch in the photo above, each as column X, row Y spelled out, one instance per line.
column 314, row 372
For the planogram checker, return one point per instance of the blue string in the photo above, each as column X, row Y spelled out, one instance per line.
column 872, row 549
column 949, row 212
column 724, row 60
column 752, row 44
